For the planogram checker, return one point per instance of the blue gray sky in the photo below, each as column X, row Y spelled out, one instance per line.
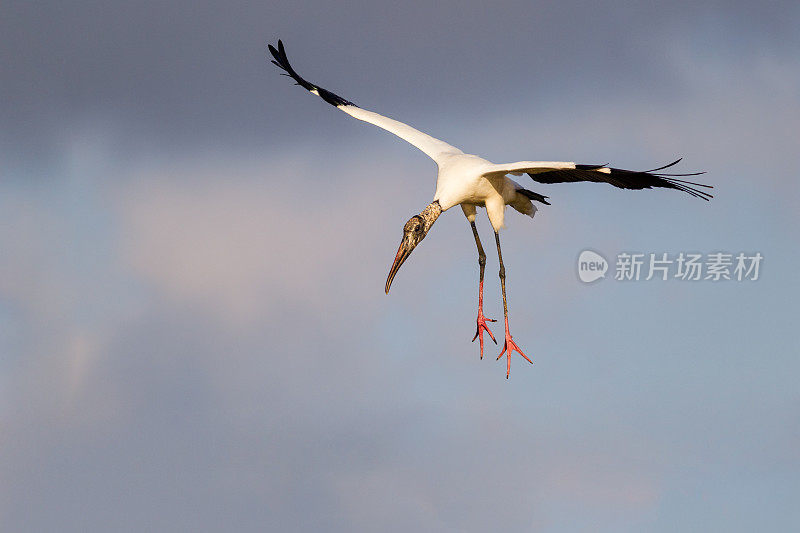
column 193, row 330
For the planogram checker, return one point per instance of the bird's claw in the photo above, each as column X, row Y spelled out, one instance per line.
column 508, row 347
column 482, row 320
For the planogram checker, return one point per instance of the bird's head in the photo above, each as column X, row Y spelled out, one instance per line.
column 413, row 232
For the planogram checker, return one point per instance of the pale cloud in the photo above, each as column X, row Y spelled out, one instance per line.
column 603, row 482
column 55, row 344
column 246, row 239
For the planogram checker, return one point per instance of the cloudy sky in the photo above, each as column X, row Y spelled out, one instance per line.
column 193, row 330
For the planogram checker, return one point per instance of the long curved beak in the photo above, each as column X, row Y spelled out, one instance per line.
column 403, row 252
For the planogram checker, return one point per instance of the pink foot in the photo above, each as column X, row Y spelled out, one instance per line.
column 508, row 347
column 481, row 327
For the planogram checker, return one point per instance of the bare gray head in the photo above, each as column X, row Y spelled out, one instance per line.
column 414, row 231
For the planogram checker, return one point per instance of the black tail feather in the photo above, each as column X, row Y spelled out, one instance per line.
column 534, row 196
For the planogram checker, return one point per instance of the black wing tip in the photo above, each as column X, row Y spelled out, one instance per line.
column 659, row 179
column 279, row 54
column 647, row 179
column 626, row 179
column 281, row 61
column 689, row 187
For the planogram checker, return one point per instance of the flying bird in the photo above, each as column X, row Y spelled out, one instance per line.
column 470, row 181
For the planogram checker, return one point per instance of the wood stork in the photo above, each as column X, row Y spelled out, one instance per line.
column 470, row 181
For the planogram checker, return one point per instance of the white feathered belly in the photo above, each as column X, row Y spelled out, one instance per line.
column 473, row 191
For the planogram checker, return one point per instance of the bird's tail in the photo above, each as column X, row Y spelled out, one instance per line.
column 533, row 196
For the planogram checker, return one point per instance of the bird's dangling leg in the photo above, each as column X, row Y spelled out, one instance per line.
column 509, row 346
column 481, row 319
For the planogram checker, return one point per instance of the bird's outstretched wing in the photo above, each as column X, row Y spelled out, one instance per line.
column 433, row 147
column 562, row 172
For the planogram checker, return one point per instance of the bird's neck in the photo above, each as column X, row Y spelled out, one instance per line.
column 430, row 214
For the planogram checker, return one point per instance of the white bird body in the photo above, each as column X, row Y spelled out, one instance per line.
column 467, row 180
column 463, row 180
column 472, row 181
